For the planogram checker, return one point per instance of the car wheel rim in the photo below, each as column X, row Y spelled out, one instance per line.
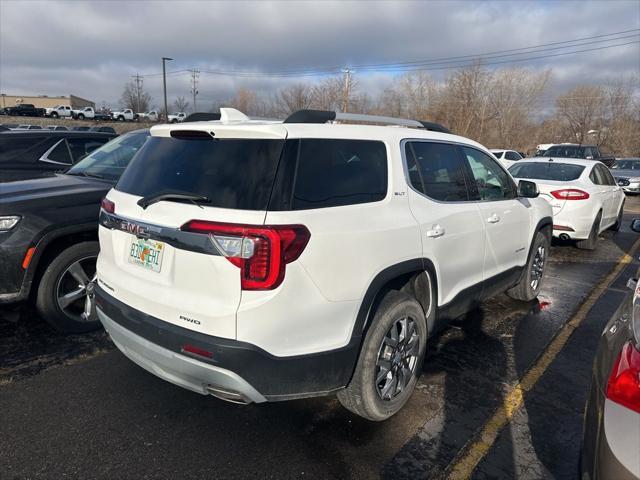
column 75, row 292
column 537, row 268
column 397, row 358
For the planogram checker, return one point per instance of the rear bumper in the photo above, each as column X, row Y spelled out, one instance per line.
column 178, row 369
column 236, row 366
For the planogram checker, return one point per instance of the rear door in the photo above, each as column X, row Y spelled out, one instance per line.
column 152, row 260
column 451, row 227
column 506, row 218
column 603, row 191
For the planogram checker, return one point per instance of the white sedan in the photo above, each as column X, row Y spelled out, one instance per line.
column 583, row 194
column 506, row 157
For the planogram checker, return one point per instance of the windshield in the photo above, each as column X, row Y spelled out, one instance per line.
column 627, row 165
column 110, row 160
column 232, row 173
column 565, row 151
column 563, row 172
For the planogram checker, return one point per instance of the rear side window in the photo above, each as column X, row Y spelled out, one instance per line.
column 336, row 172
column 436, row 170
column 512, row 156
column 231, row 173
column 563, row 172
column 12, row 147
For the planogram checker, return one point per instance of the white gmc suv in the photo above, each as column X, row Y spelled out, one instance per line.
column 259, row 261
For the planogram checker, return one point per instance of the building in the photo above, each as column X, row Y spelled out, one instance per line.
column 44, row 101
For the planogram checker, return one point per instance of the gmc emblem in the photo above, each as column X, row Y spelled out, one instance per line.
column 133, row 228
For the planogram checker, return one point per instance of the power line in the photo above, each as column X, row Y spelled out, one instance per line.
column 443, row 63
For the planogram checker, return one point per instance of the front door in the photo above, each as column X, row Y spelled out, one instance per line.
column 505, row 216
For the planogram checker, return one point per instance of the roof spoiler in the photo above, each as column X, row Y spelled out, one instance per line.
column 323, row 116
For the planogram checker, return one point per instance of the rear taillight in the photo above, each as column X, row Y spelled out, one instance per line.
column 624, row 381
column 260, row 251
column 108, row 206
column 570, row 194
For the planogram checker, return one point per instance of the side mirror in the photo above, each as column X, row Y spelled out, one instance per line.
column 635, row 225
column 529, row 189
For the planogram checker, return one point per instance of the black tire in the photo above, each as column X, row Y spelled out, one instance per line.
column 363, row 395
column 80, row 116
column 54, row 114
column 527, row 289
column 616, row 226
column 54, row 281
column 121, row 118
column 591, row 242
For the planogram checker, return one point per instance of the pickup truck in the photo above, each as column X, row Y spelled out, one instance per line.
column 151, row 116
column 89, row 113
column 574, row 150
column 126, row 114
column 59, row 111
column 177, row 117
column 25, row 110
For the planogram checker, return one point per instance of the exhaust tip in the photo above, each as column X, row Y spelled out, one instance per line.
column 564, row 236
column 228, row 395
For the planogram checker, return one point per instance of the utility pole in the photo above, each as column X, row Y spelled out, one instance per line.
column 164, row 84
column 139, row 81
column 194, row 86
column 345, row 92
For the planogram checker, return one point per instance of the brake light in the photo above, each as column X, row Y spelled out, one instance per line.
column 624, row 381
column 260, row 251
column 108, row 206
column 570, row 194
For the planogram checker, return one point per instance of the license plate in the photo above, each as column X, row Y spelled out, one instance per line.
column 146, row 254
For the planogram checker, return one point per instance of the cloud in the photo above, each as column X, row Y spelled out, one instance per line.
column 92, row 48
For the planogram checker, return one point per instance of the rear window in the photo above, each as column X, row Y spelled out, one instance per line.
column 565, row 152
column 563, row 172
column 231, row 173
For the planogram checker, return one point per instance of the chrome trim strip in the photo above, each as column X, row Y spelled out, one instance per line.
column 193, row 242
column 45, row 155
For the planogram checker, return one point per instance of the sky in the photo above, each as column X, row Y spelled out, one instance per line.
column 92, row 48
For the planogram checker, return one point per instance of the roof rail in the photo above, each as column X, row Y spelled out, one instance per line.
column 323, row 116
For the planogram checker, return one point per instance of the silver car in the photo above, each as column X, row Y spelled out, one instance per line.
column 626, row 171
column 611, row 438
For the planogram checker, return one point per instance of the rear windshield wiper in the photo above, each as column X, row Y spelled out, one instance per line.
column 144, row 202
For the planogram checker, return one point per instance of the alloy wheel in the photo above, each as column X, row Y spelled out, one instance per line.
column 397, row 358
column 537, row 268
column 75, row 291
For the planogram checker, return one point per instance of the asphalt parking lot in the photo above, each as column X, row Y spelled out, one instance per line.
column 501, row 395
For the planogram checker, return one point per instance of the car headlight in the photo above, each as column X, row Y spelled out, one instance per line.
column 634, row 180
column 7, row 222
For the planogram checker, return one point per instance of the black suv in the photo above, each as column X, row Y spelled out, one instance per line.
column 572, row 150
column 49, row 234
column 45, row 150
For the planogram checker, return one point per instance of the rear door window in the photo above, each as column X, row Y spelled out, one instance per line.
column 81, row 147
column 336, row 172
column 512, row 156
column 231, row 173
column 436, row 170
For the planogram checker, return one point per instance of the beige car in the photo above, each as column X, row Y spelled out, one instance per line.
column 611, row 439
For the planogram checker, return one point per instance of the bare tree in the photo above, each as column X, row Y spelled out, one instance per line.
column 290, row 99
column 181, row 104
column 135, row 98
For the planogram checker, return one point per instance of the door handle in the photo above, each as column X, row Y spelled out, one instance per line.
column 494, row 218
column 436, row 231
